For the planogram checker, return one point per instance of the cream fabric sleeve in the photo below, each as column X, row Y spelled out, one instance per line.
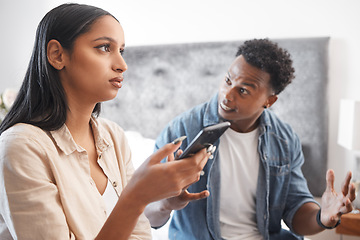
column 28, row 190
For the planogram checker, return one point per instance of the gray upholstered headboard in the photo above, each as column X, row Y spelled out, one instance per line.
column 165, row 80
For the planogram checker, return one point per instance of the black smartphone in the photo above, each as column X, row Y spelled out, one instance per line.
column 205, row 138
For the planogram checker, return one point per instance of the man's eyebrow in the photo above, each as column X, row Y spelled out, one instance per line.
column 250, row 85
column 244, row 83
column 108, row 39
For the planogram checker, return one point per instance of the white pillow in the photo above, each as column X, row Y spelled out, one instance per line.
column 141, row 147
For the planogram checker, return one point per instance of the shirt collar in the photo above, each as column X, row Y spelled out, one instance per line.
column 265, row 123
column 100, row 140
column 66, row 143
column 211, row 115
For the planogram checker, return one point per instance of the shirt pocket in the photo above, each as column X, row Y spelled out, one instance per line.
column 279, row 185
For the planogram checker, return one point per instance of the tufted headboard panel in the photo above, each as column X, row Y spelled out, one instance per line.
column 164, row 80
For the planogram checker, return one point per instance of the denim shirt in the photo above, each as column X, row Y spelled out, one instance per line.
column 281, row 187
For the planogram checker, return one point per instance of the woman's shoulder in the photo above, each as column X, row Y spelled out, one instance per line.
column 23, row 138
column 23, row 130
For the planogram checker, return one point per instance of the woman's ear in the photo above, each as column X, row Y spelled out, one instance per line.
column 55, row 54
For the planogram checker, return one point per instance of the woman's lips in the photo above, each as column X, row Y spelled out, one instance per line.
column 224, row 107
column 116, row 82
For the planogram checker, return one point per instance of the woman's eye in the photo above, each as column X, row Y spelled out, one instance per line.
column 104, row 48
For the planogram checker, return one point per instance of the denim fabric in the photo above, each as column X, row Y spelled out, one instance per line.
column 281, row 187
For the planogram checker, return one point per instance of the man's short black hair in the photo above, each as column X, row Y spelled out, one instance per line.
column 269, row 57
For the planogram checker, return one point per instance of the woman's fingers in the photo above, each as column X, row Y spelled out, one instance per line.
column 190, row 168
column 198, row 196
column 166, row 151
column 178, row 153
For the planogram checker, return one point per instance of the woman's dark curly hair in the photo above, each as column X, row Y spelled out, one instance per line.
column 269, row 57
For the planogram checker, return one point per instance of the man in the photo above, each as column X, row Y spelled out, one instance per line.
column 255, row 177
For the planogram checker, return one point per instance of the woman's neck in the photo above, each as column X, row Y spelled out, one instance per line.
column 78, row 123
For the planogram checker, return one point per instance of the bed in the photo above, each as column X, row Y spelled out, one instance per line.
column 164, row 80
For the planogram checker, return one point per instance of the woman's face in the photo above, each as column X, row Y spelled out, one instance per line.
column 93, row 70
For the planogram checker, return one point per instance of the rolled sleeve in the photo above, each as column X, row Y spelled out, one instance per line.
column 299, row 193
column 28, row 191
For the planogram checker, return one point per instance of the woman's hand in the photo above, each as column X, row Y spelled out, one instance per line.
column 182, row 200
column 154, row 180
column 335, row 204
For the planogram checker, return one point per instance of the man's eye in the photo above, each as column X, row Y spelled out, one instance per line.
column 228, row 81
column 243, row 91
column 104, row 48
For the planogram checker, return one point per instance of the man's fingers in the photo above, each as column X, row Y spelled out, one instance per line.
column 346, row 208
column 330, row 178
column 352, row 192
column 346, row 183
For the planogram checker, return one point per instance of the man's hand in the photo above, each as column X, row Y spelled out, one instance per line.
column 335, row 204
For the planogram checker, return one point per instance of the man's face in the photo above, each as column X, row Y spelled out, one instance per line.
column 243, row 94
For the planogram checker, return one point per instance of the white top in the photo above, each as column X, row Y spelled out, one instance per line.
column 239, row 165
column 110, row 198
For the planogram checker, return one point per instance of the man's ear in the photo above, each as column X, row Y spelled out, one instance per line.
column 270, row 101
column 55, row 54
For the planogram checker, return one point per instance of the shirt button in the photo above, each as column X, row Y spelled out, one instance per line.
column 264, row 216
column 114, row 184
column 100, row 156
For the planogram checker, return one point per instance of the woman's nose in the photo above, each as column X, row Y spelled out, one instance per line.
column 119, row 64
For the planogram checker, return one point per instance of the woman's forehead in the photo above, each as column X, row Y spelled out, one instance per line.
column 106, row 27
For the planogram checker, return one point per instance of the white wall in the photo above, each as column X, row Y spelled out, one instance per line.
column 165, row 22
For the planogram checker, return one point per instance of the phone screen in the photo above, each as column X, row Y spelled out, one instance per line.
column 205, row 138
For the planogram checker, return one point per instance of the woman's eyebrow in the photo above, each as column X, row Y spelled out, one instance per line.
column 105, row 38
column 108, row 39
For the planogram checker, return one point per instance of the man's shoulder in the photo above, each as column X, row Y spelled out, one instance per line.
column 188, row 123
column 277, row 125
column 193, row 116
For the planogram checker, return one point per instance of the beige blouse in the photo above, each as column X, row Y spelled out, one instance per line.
column 46, row 191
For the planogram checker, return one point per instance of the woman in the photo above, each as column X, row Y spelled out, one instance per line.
column 64, row 173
